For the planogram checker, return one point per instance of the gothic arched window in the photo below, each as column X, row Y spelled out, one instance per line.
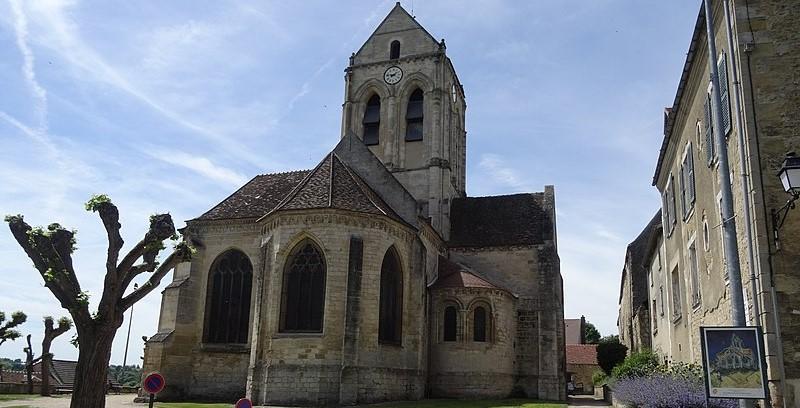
column 372, row 121
column 228, row 313
column 414, row 116
column 394, row 50
column 390, row 321
column 450, row 324
column 303, row 297
column 480, row 324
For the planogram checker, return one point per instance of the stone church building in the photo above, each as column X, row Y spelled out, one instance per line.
column 372, row 276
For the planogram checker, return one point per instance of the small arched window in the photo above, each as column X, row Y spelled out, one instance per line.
column 390, row 321
column 450, row 323
column 303, row 297
column 414, row 116
column 228, row 313
column 372, row 121
column 394, row 50
column 479, row 324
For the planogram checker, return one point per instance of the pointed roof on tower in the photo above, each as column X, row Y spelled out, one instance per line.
column 401, row 26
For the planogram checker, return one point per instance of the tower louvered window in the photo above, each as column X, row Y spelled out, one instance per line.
column 394, row 50
column 414, row 116
column 450, row 323
column 303, row 298
column 372, row 121
column 228, row 313
column 390, row 321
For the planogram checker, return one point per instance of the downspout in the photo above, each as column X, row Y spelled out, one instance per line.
column 745, row 181
column 772, row 292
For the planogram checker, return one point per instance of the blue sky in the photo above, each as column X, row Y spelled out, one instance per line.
column 170, row 106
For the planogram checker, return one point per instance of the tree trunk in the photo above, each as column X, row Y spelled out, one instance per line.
column 91, row 373
column 47, row 360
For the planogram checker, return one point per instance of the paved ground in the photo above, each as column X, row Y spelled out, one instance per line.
column 585, row 401
column 113, row 401
column 126, row 401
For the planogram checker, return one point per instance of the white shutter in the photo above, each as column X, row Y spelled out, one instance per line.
column 724, row 95
column 690, row 174
column 709, row 132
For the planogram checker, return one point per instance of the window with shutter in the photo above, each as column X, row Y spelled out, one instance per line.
column 709, row 132
column 690, row 174
column 671, row 202
column 724, row 95
column 372, row 121
column 684, row 202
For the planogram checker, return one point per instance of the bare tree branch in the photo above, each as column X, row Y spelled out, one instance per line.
column 182, row 253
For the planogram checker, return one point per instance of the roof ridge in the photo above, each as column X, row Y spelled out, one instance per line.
column 283, row 172
column 360, row 184
column 293, row 193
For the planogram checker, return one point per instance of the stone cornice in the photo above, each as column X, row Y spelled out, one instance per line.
column 389, row 62
column 236, row 225
column 337, row 217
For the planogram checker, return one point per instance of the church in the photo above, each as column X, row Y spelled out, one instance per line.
column 373, row 276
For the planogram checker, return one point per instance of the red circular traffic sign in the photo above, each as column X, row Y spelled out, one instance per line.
column 153, row 383
column 244, row 403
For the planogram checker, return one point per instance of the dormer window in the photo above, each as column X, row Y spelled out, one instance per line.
column 372, row 121
column 394, row 50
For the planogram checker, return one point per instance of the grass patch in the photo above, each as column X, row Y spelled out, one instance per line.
column 15, row 397
column 191, row 405
column 450, row 403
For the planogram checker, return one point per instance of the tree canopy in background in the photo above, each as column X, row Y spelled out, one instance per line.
column 610, row 353
column 591, row 334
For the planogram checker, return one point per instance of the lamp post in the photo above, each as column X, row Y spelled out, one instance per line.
column 790, row 178
column 128, row 338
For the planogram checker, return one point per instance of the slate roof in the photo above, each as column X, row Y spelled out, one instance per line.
column 63, row 372
column 332, row 184
column 258, row 197
column 455, row 275
column 516, row 219
column 582, row 354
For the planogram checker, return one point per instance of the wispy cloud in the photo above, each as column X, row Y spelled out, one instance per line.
column 200, row 165
column 501, row 173
column 39, row 93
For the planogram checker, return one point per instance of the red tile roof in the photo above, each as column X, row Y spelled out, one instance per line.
column 582, row 354
column 455, row 275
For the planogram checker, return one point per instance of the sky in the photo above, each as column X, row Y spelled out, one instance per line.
column 171, row 106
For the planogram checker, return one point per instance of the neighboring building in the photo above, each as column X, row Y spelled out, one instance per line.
column 372, row 276
column 633, row 321
column 62, row 375
column 581, row 365
column 760, row 103
column 575, row 330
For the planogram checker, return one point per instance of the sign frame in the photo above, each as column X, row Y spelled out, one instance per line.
column 151, row 375
column 244, row 403
column 711, row 338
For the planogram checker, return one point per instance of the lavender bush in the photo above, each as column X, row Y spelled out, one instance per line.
column 666, row 390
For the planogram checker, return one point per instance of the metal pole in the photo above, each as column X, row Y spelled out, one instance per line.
column 744, row 174
column 728, row 221
column 128, row 338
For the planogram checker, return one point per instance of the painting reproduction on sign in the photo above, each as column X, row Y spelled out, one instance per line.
column 732, row 362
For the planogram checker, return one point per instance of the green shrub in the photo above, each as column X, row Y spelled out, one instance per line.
column 599, row 378
column 641, row 364
column 610, row 352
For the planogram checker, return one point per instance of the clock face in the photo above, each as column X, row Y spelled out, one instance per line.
column 393, row 75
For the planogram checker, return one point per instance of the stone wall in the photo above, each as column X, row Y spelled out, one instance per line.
column 465, row 368
column 582, row 374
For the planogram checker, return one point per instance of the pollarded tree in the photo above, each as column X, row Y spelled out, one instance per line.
column 50, row 333
column 7, row 331
column 51, row 252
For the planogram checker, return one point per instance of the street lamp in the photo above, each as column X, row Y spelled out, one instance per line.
column 790, row 178
column 128, row 338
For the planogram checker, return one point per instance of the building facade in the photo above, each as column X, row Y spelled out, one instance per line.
column 758, row 55
column 373, row 276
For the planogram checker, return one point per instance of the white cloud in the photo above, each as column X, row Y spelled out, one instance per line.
column 503, row 174
column 39, row 93
column 200, row 165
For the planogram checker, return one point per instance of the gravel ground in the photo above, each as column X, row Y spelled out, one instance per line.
column 112, row 401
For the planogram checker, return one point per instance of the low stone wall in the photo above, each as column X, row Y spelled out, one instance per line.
column 17, row 388
column 477, row 384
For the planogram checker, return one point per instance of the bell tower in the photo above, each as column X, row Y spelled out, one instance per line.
column 405, row 102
